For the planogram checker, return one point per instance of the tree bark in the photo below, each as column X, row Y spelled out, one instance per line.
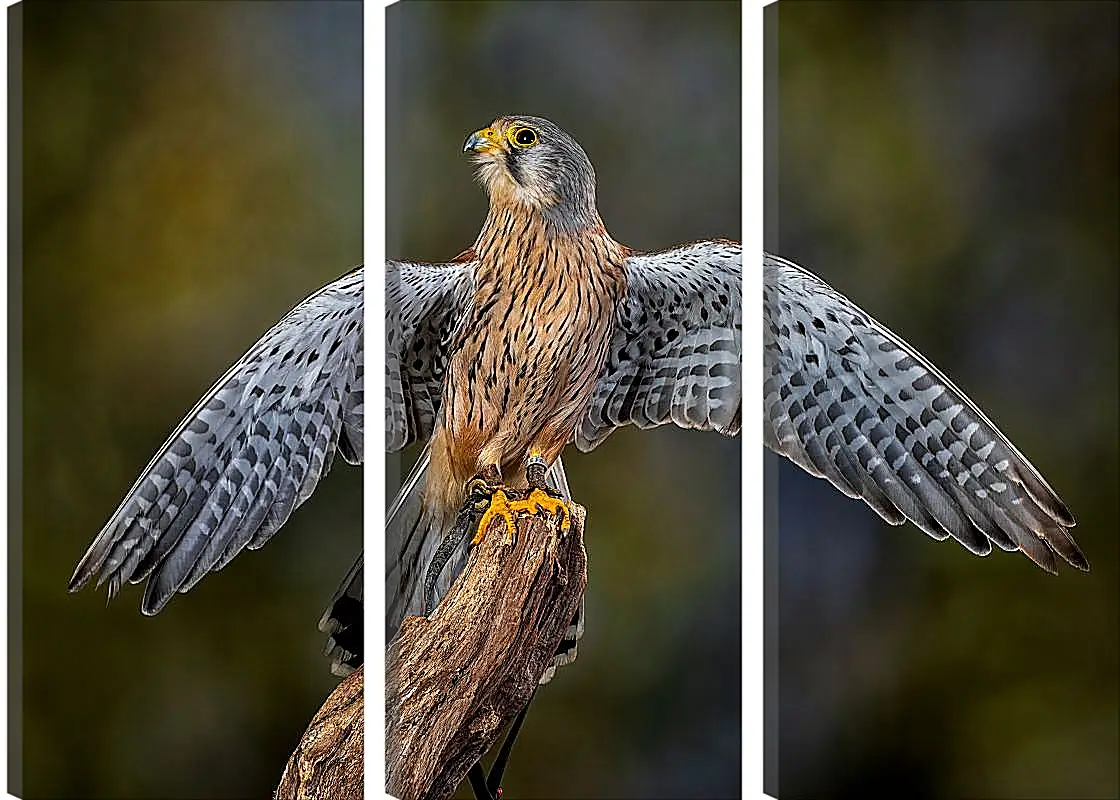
column 327, row 763
column 456, row 679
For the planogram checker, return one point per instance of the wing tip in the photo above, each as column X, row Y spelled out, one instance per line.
column 1064, row 516
column 1075, row 556
column 154, row 602
column 81, row 576
column 1061, row 543
column 94, row 557
column 88, row 568
column 1049, row 566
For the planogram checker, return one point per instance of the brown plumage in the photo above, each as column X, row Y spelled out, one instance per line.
column 535, row 339
column 545, row 332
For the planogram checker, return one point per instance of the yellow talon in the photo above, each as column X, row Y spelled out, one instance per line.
column 538, row 500
column 500, row 506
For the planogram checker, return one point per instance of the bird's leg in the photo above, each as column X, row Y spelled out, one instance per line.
column 500, row 506
column 539, row 499
column 535, row 470
column 502, row 499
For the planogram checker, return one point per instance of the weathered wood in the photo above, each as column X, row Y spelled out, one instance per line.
column 327, row 764
column 456, row 679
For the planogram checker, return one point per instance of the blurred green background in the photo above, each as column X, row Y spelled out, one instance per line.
column 652, row 92
column 191, row 171
column 953, row 168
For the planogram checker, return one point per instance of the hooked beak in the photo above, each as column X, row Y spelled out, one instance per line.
column 486, row 140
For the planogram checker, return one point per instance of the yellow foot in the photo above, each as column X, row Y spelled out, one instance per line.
column 500, row 506
column 537, row 501
column 540, row 500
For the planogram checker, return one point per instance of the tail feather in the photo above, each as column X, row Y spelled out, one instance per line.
column 567, row 650
column 411, row 540
column 343, row 621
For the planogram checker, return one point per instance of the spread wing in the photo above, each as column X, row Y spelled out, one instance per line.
column 423, row 304
column 246, row 456
column 847, row 400
column 676, row 351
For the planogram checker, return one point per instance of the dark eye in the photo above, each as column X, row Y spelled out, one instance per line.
column 524, row 137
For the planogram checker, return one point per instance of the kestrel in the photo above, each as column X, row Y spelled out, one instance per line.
column 548, row 332
column 545, row 332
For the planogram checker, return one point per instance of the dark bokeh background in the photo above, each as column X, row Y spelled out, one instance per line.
column 192, row 170
column 652, row 92
column 953, row 168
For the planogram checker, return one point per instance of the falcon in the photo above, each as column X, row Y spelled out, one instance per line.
column 545, row 332
column 548, row 332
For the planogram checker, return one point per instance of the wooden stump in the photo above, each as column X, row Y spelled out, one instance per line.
column 455, row 680
column 327, row 764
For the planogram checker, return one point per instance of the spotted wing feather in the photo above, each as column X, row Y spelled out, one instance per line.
column 246, row 456
column 675, row 354
column 849, row 401
column 423, row 304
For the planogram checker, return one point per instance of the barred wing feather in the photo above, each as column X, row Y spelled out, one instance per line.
column 849, row 401
column 246, row 456
column 423, row 304
column 675, row 353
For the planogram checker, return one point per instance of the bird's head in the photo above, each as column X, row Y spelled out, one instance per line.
column 529, row 161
